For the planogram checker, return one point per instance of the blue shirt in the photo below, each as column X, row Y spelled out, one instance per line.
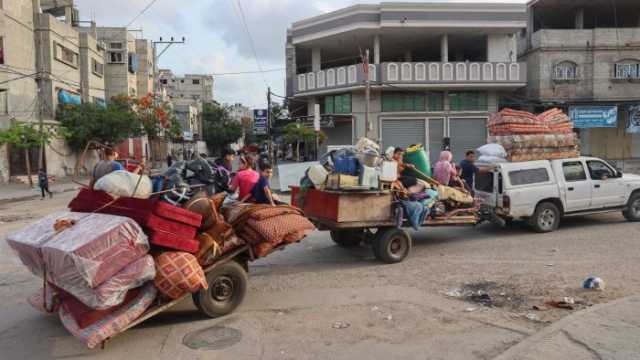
column 258, row 193
column 469, row 171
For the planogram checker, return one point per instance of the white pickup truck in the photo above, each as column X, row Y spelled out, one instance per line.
column 542, row 192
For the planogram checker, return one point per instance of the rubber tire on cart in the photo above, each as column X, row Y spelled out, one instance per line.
column 348, row 238
column 391, row 245
column 227, row 288
column 546, row 218
column 632, row 213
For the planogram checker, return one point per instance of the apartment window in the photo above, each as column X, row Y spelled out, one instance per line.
column 337, row 104
column 397, row 101
column 468, row 101
column 1, row 49
column 115, row 45
column 435, row 101
column 133, row 63
column 66, row 55
column 4, row 102
column 163, row 81
column 195, row 81
column 116, row 57
column 182, row 81
column 629, row 70
column 97, row 68
column 565, row 70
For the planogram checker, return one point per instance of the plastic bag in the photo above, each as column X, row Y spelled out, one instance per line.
column 124, row 183
column 494, row 150
column 491, row 159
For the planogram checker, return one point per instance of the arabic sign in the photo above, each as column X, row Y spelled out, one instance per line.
column 633, row 127
column 585, row 117
column 260, row 122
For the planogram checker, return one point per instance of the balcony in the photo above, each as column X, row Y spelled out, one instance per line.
column 416, row 74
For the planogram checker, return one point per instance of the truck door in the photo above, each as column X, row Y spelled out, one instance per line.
column 577, row 186
column 608, row 190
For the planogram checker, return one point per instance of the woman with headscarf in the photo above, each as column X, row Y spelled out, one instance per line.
column 246, row 178
column 445, row 170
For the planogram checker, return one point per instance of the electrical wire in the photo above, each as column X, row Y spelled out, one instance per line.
column 251, row 42
column 141, row 13
column 248, row 72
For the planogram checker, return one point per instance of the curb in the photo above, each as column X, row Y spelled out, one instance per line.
column 522, row 347
column 32, row 197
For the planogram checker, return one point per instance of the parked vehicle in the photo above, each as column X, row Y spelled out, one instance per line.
column 543, row 192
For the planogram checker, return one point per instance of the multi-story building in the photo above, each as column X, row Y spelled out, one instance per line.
column 18, row 90
column 586, row 53
column 121, row 62
column 91, row 68
column 190, row 86
column 436, row 71
column 145, row 73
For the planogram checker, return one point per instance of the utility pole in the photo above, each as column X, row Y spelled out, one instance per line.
column 269, row 135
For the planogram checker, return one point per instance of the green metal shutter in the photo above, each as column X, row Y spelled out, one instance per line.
column 329, row 107
column 436, row 134
column 466, row 134
column 402, row 132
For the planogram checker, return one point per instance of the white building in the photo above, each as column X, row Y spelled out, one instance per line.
column 190, row 86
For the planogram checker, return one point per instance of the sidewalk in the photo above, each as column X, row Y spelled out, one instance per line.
column 14, row 192
column 607, row 331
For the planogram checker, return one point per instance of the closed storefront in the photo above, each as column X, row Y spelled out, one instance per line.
column 403, row 132
column 339, row 134
column 466, row 134
column 436, row 136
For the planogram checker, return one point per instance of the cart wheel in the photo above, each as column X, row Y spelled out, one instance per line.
column 227, row 288
column 391, row 245
column 348, row 238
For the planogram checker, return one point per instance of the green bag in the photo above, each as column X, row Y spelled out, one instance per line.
column 417, row 156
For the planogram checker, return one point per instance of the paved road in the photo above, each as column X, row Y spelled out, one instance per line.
column 317, row 301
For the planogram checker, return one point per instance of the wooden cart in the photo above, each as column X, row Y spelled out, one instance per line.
column 366, row 216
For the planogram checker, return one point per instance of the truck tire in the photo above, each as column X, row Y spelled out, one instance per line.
column 546, row 218
column 391, row 245
column 348, row 238
column 632, row 213
column 227, row 288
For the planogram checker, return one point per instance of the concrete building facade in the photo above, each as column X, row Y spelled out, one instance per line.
column 436, row 71
column 586, row 53
column 120, row 61
column 145, row 72
column 190, row 86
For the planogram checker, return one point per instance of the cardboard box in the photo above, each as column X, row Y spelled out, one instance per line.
column 338, row 181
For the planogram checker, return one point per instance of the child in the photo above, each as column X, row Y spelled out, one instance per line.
column 43, row 183
column 261, row 193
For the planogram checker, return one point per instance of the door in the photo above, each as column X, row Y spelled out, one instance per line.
column 403, row 132
column 436, row 135
column 608, row 191
column 466, row 134
column 577, row 186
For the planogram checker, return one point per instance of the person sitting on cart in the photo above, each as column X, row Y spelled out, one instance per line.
column 105, row 166
column 398, row 152
column 246, row 178
column 261, row 192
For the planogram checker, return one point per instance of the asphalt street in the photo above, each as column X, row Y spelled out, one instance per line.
column 463, row 293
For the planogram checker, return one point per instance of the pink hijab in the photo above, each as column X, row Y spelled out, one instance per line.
column 444, row 169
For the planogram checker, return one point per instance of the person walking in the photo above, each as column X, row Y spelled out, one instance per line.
column 169, row 160
column 43, row 183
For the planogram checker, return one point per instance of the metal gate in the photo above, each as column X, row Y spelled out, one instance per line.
column 436, row 135
column 466, row 134
column 403, row 132
column 18, row 164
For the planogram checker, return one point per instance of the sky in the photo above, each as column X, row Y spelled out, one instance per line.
column 216, row 41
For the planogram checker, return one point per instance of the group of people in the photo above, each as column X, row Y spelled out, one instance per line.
column 451, row 174
column 251, row 185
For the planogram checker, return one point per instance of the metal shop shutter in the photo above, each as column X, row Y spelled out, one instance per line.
column 436, row 134
column 402, row 132
column 466, row 134
column 341, row 134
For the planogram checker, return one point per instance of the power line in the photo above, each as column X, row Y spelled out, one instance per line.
column 248, row 72
column 141, row 12
column 253, row 47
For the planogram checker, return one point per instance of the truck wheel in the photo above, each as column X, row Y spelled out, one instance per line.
column 391, row 245
column 633, row 208
column 348, row 238
column 546, row 218
column 227, row 288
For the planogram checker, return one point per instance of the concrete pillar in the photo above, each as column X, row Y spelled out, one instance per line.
column 68, row 15
column 408, row 57
column 579, row 19
column 311, row 104
column 530, row 20
column 316, row 59
column 444, row 48
column 376, row 49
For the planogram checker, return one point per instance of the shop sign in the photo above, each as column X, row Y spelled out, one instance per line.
column 260, row 122
column 585, row 117
column 633, row 127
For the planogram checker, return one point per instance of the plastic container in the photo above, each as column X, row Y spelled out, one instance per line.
column 369, row 158
column 417, row 156
column 347, row 165
column 318, row 175
column 368, row 177
column 389, row 171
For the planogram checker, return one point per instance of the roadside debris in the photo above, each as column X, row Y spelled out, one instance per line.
column 388, row 317
column 341, row 325
column 470, row 309
column 454, row 293
column 593, row 282
column 533, row 317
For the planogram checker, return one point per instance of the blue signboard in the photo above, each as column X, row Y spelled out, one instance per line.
column 260, row 122
column 585, row 117
column 633, row 127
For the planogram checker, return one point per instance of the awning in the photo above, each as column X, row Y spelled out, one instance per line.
column 66, row 97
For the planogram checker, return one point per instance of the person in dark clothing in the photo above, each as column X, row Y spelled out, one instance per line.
column 226, row 161
column 169, row 160
column 43, row 183
column 469, row 169
column 261, row 192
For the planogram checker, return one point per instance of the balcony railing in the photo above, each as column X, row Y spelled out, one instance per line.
column 415, row 73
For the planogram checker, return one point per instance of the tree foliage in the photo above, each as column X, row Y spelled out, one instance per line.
column 296, row 133
column 220, row 129
column 23, row 136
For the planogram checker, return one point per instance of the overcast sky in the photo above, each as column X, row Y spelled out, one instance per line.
column 216, row 40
